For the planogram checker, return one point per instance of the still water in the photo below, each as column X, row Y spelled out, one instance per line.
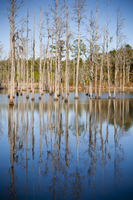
column 82, row 149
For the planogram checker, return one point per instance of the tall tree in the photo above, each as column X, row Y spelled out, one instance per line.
column 119, row 38
column 103, row 55
column 27, row 96
column 108, row 62
column 33, row 53
column 78, row 8
column 96, row 56
column 40, row 66
column 13, row 8
column 91, row 41
column 67, row 42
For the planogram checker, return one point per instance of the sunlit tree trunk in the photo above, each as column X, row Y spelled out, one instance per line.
column 68, row 69
column 127, row 71
column 108, row 62
column 23, row 85
column 56, row 75
column 22, row 62
column 87, row 84
column 116, row 56
column 11, row 100
column 123, row 71
column 33, row 53
column 91, row 57
column 96, row 56
column 40, row 67
column 67, row 42
column 58, row 78
column 44, row 75
column 102, row 60
column 18, row 68
column 27, row 96
column 77, row 68
column 10, row 59
column 31, row 66
column 51, row 62
column 74, row 74
column 120, row 73
column 48, row 73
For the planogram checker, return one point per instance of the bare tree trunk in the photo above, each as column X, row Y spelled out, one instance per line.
column 51, row 82
column 128, row 69
column 96, row 56
column 91, row 74
column 116, row 56
column 48, row 75
column 11, row 100
column 120, row 73
column 87, row 89
column 108, row 63
column 66, row 72
column 51, row 61
column 22, row 62
column 23, row 88
column 55, row 96
column 77, row 69
column 123, row 71
column 91, row 57
column 33, row 53
column 58, row 78
column 27, row 96
column 18, row 68
column 44, row 75
column 9, row 69
column 31, row 66
column 40, row 68
column 10, row 59
column 103, row 51
column 74, row 74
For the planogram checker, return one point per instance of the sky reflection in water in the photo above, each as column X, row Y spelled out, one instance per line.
column 55, row 150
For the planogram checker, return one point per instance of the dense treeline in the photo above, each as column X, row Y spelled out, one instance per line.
column 90, row 64
column 83, row 66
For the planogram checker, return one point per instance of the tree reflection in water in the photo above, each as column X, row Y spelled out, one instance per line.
column 55, row 158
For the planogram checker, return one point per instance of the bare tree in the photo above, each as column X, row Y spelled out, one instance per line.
column 119, row 38
column 78, row 8
column 123, row 70
column 1, row 50
column 12, row 13
column 27, row 96
column 67, row 42
column 91, row 41
column 40, row 68
column 33, row 53
column 108, row 62
column 51, row 62
column 103, row 55
column 96, row 56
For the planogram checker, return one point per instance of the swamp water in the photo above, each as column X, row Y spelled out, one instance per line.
column 82, row 149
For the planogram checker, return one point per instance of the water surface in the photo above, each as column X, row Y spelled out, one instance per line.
column 82, row 149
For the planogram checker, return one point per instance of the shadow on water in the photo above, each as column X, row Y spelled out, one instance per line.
column 75, row 150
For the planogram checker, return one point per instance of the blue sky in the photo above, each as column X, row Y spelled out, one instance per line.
column 126, row 9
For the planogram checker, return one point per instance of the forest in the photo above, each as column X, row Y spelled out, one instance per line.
column 67, row 61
